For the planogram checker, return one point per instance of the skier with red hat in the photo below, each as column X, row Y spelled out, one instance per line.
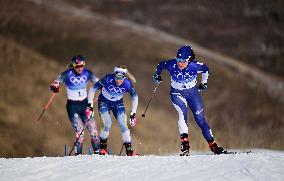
column 76, row 79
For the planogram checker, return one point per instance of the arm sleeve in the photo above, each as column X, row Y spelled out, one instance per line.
column 204, row 70
column 134, row 99
column 61, row 78
column 91, row 93
column 92, row 77
column 161, row 66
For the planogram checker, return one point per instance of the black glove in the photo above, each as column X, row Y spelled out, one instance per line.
column 202, row 87
column 157, row 79
column 54, row 87
column 132, row 120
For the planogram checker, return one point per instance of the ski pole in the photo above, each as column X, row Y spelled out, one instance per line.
column 95, row 100
column 121, row 149
column 76, row 140
column 65, row 150
column 153, row 93
column 46, row 106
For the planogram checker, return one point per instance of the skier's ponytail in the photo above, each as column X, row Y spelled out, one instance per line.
column 131, row 77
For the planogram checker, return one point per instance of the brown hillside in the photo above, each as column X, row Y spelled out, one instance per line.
column 22, row 97
column 239, row 110
column 251, row 31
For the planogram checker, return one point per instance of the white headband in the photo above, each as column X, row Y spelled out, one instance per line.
column 121, row 70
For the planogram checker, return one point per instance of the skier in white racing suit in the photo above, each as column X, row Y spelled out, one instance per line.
column 76, row 78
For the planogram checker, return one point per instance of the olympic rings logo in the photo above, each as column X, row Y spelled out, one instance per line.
column 78, row 80
column 116, row 90
column 179, row 75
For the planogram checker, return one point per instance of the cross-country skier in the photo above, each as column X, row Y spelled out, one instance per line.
column 76, row 78
column 183, row 70
column 113, row 87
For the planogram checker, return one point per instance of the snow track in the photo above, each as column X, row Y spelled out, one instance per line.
column 259, row 165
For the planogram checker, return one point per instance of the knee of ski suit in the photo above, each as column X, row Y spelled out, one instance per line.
column 119, row 113
column 198, row 113
column 92, row 127
column 180, row 104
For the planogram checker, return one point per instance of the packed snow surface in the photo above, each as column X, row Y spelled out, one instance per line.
column 258, row 165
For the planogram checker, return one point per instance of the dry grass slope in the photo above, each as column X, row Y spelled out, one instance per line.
column 22, row 99
column 240, row 111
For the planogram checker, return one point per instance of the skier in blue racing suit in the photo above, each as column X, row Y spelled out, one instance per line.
column 183, row 70
column 113, row 87
column 76, row 79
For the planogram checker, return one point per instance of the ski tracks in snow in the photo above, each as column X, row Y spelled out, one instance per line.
column 260, row 165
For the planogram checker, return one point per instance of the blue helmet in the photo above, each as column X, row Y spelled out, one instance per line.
column 185, row 53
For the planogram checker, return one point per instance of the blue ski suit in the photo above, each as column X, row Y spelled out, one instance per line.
column 184, row 93
column 111, row 99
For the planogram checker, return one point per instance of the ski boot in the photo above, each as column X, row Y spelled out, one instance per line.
column 103, row 147
column 78, row 148
column 95, row 145
column 215, row 148
column 184, row 145
column 128, row 149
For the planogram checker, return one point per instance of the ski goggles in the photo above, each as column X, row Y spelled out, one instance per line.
column 120, row 72
column 79, row 65
column 182, row 60
column 119, row 75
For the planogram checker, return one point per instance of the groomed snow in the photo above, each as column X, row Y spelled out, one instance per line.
column 259, row 165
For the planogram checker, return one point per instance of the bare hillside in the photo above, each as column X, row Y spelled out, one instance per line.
column 251, row 31
column 22, row 97
column 238, row 109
